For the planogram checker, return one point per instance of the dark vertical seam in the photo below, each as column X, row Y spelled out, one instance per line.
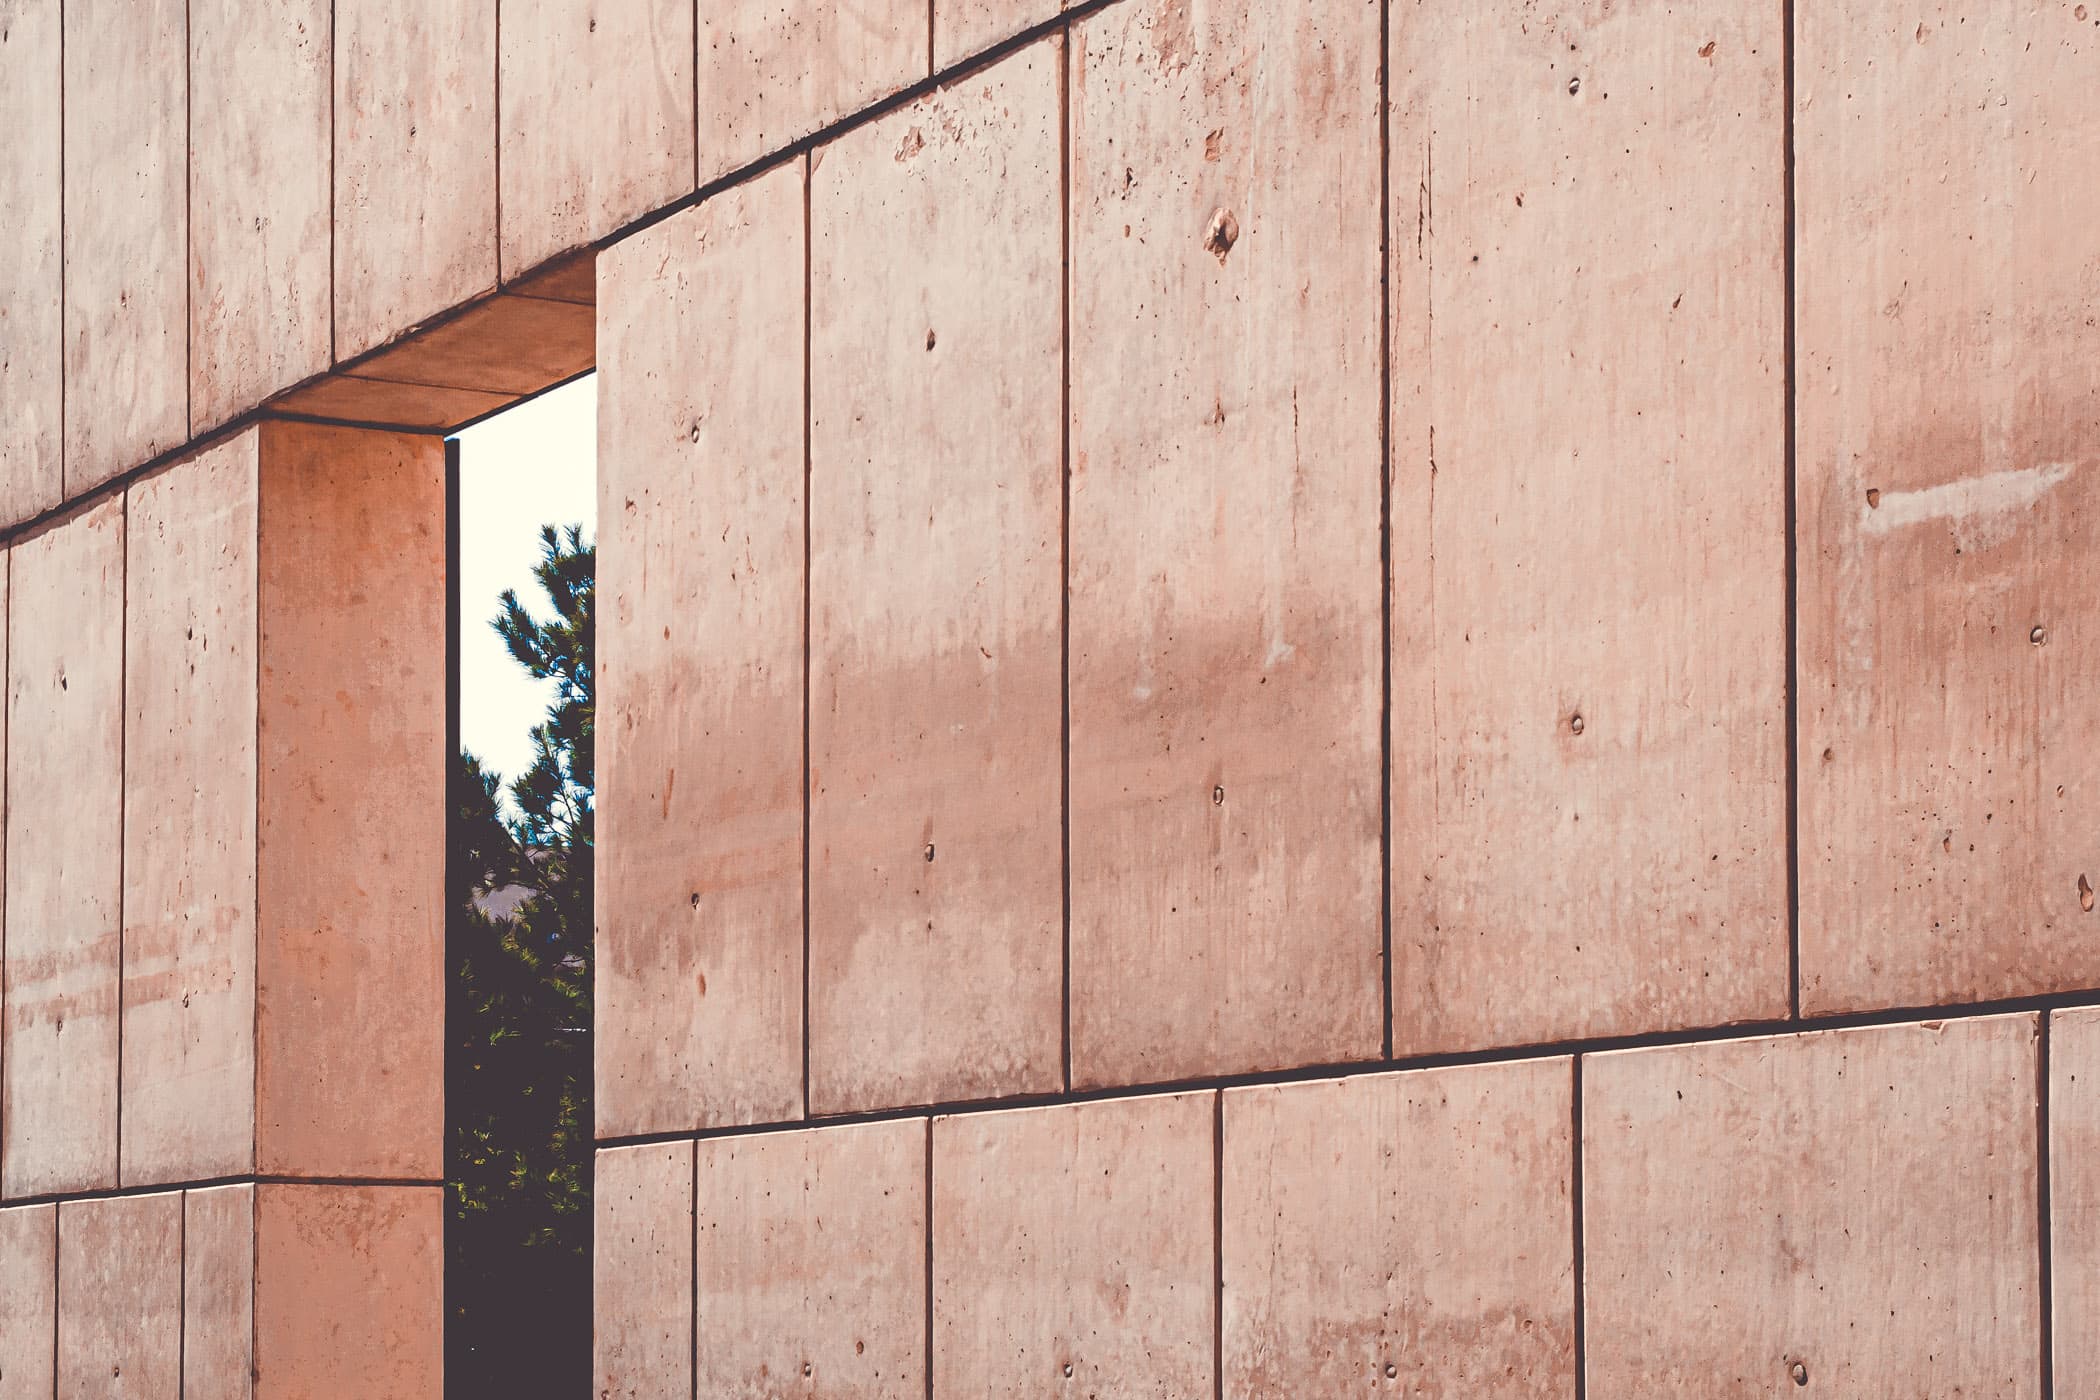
column 1575, row 1213
column 2042, row 1205
column 57, row 1281
column 265, row 440
column 692, row 1318
column 498, row 56
column 1385, row 525
column 1217, row 1244
column 1790, row 515
column 455, row 1063
column 189, row 237
column 926, row 1365
column 334, row 65
column 182, row 1294
column 7, row 649
column 808, row 258
column 123, row 784
column 1064, row 548
column 929, row 37
column 64, row 266
column 696, row 93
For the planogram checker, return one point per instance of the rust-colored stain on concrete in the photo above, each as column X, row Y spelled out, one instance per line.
column 2074, row 1200
column 28, row 1302
column 32, row 337
column 1853, row 1211
column 120, row 1298
column 936, row 519
column 506, row 345
column 218, row 1292
column 349, row 1291
column 1224, row 575
column 642, row 1204
column 811, row 1263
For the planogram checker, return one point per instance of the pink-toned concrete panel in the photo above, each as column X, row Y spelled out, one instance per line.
column 32, row 338
column 774, row 71
column 700, row 577
column 2074, row 1200
column 1589, row 563
column 349, row 1292
column 1072, row 1250
column 1408, row 1231
column 189, row 820
column 415, row 163
column 1225, row 597
column 1949, row 261
column 505, row 345
column 349, row 399
column 126, row 292
column 811, row 1262
column 218, row 1294
column 259, row 201
column 28, row 1302
column 1852, row 1211
column 65, row 846
column 936, row 900
column 597, row 119
column 962, row 28
column 120, row 1298
column 642, row 1270
column 351, row 825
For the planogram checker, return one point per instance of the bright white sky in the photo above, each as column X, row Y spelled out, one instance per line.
column 535, row 465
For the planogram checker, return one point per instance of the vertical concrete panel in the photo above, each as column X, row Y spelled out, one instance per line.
column 811, row 1262
column 349, row 1292
column 1225, row 597
column 65, row 843
column 2074, row 1200
column 189, row 820
column 642, row 1272
column 936, row 502
column 259, row 201
column 597, row 119
column 120, row 1298
column 415, row 163
column 28, row 1302
column 700, row 559
column 126, row 294
column 218, row 1294
column 1589, row 429
column 1072, row 1250
column 1408, row 1231
column 1854, row 1210
column 32, row 340
column 774, row 71
column 350, row 890
column 1949, row 489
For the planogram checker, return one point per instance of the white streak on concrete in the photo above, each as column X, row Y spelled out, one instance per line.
column 1972, row 499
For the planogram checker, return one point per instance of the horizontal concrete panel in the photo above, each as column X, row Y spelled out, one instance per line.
column 700, row 744
column 2074, row 1200
column 936, row 894
column 415, row 163
column 350, row 983
column 28, row 1302
column 346, row 398
column 126, row 290
column 1852, row 1211
column 1949, row 485
column 349, row 1292
column 772, row 72
column 1411, row 1231
column 511, row 345
column 1589, row 560
column 642, row 1206
column 65, row 847
column 962, row 28
column 597, row 119
column 1072, row 1250
column 572, row 278
column 811, row 1261
column 1225, row 594
column 218, row 1293
column 32, row 210
column 259, row 173
column 189, row 819
column 120, row 1298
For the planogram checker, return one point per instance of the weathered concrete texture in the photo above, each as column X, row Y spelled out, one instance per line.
column 32, row 339
column 773, row 72
column 700, row 760
column 346, row 398
column 597, row 119
column 218, row 1293
column 508, row 345
column 120, row 1298
column 258, row 201
column 65, row 844
column 811, row 1261
column 962, row 28
column 1856, row 1208
column 351, row 822
column 28, row 1302
column 1225, row 597
column 415, row 163
column 936, row 580
column 126, row 293
column 349, row 1292
column 1410, row 1231
column 1589, row 563
column 189, row 820
column 2074, row 1200
column 1072, row 1250
column 642, row 1270
column 1949, row 488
